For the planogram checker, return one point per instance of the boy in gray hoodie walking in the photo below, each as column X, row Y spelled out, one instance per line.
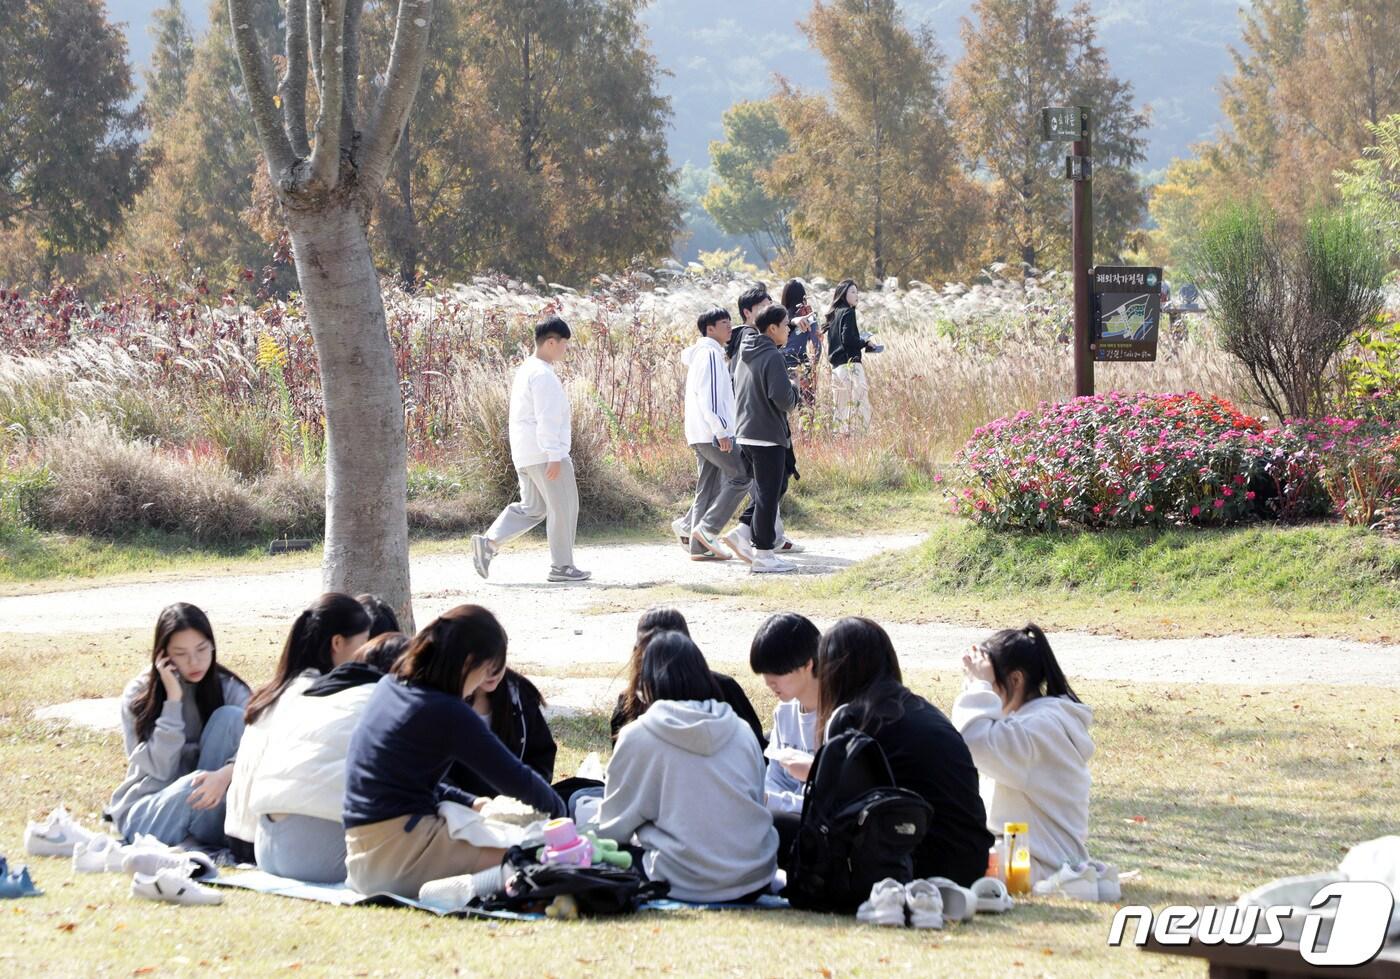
column 764, row 393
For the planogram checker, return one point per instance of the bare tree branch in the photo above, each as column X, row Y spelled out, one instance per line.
column 391, row 110
column 293, row 86
column 350, row 100
column 325, row 158
column 256, row 79
column 313, row 21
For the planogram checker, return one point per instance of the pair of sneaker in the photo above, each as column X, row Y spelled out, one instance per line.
column 144, row 855
column 16, row 883
column 483, row 552
column 740, row 541
column 162, row 873
column 1088, row 880
column 924, row 903
column 171, row 885
column 56, row 836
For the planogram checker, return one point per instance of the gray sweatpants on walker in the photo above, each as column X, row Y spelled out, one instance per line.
column 554, row 501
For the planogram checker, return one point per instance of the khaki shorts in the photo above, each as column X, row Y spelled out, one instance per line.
column 387, row 858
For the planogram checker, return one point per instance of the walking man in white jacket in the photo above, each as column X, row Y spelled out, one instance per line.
column 540, row 440
column 722, row 479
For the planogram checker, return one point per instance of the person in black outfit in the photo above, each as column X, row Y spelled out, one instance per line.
column 630, row 704
column 512, row 707
column 845, row 346
column 860, row 687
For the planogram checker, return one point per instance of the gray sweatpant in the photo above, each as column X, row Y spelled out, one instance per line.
column 722, row 481
column 553, row 501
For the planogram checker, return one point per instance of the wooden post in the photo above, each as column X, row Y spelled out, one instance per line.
column 1082, row 247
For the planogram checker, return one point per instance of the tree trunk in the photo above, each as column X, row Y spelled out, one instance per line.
column 366, row 449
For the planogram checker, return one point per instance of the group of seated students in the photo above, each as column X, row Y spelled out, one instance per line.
column 335, row 769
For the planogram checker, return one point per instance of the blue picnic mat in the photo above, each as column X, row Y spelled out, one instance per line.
column 341, row 894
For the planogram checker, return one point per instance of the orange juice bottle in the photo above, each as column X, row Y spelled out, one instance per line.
column 1016, row 858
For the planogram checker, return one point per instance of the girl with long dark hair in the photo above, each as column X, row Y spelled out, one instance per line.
column 418, row 722
column 685, row 783
column 631, row 703
column 513, row 708
column 804, row 341
column 287, row 783
column 1029, row 735
column 844, row 348
column 182, row 721
column 861, row 687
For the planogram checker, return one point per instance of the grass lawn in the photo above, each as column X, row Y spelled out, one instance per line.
column 1208, row 790
column 1321, row 579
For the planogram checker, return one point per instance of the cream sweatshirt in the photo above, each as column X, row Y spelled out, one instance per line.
column 1034, row 768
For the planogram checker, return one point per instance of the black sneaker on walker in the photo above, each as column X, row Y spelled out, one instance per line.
column 568, row 573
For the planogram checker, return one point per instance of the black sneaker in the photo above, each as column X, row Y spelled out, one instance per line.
column 569, row 573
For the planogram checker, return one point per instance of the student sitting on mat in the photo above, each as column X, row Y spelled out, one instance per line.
column 860, row 686
column 630, row 704
column 181, row 724
column 685, row 783
column 295, row 828
column 417, row 723
column 1029, row 735
column 513, row 709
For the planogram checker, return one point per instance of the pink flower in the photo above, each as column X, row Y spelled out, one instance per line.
column 1045, row 504
column 1149, row 509
column 1227, row 492
column 1195, row 511
column 1219, row 504
column 1249, row 495
column 1067, row 503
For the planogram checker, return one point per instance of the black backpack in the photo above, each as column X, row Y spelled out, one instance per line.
column 857, row 827
column 597, row 890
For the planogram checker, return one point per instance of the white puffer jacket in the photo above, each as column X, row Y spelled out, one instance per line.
column 292, row 760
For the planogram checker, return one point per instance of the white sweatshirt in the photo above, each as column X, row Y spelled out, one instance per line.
column 686, row 782
column 1034, row 767
column 540, row 417
column 709, row 393
column 792, row 728
column 292, row 759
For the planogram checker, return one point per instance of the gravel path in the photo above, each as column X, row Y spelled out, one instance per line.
column 588, row 628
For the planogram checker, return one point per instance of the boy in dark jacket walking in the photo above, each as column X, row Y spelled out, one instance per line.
column 764, row 394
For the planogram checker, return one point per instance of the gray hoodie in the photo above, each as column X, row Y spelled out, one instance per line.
column 172, row 750
column 686, row 780
column 763, row 392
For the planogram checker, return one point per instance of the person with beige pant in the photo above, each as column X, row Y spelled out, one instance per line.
column 845, row 347
column 419, row 721
column 540, row 439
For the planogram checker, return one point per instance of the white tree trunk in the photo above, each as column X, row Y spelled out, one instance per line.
column 366, row 449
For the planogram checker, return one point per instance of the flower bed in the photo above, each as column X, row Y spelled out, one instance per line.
column 1118, row 460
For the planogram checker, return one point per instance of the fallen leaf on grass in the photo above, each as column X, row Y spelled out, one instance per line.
column 67, row 926
column 144, row 970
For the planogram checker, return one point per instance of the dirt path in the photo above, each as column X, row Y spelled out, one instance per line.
column 587, row 629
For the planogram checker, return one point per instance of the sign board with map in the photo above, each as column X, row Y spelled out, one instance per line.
column 1127, row 312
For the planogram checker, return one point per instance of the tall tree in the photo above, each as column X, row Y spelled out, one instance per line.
column 1023, row 55
column 876, row 184
column 327, row 174
column 1313, row 76
column 171, row 61
column 70, row 151
column 199, row 214
column 562, row 171
column 754, row 138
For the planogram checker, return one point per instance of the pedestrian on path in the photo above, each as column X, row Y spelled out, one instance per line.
column 540, row 440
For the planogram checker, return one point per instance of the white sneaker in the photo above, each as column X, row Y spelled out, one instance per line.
column 992, row 896
column 1077, row 882
column 959, row 903
column 886, row 904
column 1110, row 889
column 709, row 542
column 99, row 855
column 682, row 535
column 739, row 541
column 790, row 546
column 173, row 887
column 150, row 862
column 56, row 836
column 449, row 893
column 925, row 904
column 764, row 562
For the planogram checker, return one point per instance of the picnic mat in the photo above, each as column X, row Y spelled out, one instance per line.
column 341, row 894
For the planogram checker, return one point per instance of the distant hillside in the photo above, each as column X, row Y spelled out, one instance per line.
column 722, row 51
